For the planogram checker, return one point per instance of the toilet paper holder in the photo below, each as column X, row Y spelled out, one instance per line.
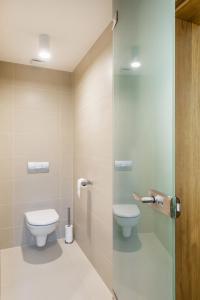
column 82, row 183
column 86, row 182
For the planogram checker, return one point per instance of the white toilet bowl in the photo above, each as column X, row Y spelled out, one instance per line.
column 41, row 223
column 127, row 216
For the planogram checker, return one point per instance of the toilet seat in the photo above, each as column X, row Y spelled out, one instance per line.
column 42, row 217
column 126, row 210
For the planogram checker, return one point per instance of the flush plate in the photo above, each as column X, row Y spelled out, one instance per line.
column 38, row 167
column 123, row 165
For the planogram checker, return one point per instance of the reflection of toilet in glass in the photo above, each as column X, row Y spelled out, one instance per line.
column 127, row 216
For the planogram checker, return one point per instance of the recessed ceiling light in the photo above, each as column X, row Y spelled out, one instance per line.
column 136, row 64
column 44, row 55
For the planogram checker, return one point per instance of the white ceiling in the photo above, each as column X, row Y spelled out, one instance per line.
column 73, row 27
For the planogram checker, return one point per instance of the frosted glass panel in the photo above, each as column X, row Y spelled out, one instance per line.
column 144, row 141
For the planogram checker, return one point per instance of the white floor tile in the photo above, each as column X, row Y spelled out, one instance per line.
column 59, row 271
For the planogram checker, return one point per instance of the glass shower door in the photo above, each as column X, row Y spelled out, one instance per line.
column 144, row 203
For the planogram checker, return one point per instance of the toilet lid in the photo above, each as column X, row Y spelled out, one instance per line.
column 126, row 210
column 42, row 217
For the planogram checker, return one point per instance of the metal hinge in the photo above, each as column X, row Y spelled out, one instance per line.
column 175, row 207
column 115, row 20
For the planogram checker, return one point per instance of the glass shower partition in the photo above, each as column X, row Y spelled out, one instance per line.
column 144, row 227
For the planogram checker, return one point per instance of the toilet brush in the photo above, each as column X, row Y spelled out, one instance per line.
column 69, row 229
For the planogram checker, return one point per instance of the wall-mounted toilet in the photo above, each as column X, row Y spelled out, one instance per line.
column 41, row 223
column 127, row 216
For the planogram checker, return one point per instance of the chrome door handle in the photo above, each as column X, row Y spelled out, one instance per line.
column 148, row 200
column 154, row 199
column 167, row 205
column 158, row 201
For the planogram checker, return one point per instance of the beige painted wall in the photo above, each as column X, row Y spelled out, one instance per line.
column 93, row 154
column 36, row 124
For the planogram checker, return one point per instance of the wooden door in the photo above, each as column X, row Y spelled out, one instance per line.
column 188, row 160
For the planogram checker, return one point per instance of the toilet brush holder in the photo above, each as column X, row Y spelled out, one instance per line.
column 69, row 234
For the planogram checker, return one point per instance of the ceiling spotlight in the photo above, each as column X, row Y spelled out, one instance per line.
column 44, row 49
column 136, row 64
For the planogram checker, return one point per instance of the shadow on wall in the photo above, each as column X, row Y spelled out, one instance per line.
column 35, row 256
column 89, row 209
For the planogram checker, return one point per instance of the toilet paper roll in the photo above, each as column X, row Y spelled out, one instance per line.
column 80, row 185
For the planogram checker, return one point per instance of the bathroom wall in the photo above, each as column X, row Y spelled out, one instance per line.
column 36, row 124
column 93, row 154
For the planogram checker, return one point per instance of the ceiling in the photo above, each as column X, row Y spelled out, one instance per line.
column 73, row 27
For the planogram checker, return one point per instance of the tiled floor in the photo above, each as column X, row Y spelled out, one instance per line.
column 150, row 276
column 58, row 272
